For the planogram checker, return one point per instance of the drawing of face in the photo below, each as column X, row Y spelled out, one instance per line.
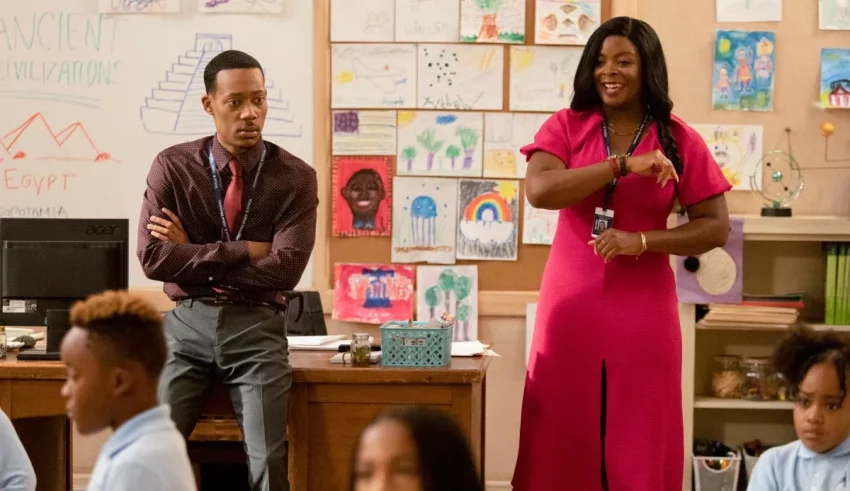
column 618, row 72
column 238, row 107
column 364, row 192
column 721, row 153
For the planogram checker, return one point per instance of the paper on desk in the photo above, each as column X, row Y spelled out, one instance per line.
column 313, row 340
column 471, row 348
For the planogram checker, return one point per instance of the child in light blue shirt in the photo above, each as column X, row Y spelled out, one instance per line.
column 817, row 365
column 16, row 472
column 114, row 354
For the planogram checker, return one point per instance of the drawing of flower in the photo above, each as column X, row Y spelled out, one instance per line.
column 453, row 152
column 409, row 154
column 428, row 142
column 468, row 140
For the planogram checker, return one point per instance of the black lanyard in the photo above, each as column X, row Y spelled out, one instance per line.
column 609, row 189
column 217, row 188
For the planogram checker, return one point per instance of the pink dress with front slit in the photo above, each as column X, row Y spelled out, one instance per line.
column 603, row 398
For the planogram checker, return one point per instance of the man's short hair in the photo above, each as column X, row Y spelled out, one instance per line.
column 227, row 60
column 129, row 326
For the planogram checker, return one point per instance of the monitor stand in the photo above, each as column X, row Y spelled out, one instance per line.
column 58, row 323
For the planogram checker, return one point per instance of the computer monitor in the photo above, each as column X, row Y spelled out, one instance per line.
column 47, row 264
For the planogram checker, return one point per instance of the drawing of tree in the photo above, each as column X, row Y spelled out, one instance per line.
column 453, row 152
column 489, row 30
column 463, row 313
column 428, row 142
column 447, row 284
column 409, row 154
column 463, row 287
column 468, row 140
column 432, row 299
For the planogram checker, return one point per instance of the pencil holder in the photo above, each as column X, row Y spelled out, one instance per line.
column 418, row 346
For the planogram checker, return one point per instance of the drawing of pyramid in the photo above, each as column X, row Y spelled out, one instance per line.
column 36, row 139
column 174, row 107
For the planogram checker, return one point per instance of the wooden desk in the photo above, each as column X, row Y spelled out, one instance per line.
column 329, row 406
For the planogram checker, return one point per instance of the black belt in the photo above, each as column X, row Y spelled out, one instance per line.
column 234, row 300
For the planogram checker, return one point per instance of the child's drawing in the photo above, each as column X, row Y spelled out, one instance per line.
column 376, row 76
column 737, row 148
column 452, row 289
column 542, row 77
column 363, row 21
column 439, row 144
column 429, row 21
column 834, row 14
column 241, row 6
column 835, row 78
column 424, row 220
column 373, row 293
column 504, row 135
column 538, row 226
column 364, row 132
column 566, row 21
column 488, row 220
column 456, row 76
column 744, row 65
column 492, row 21
column 138, row 6
column 362, row 196
column 749, row 10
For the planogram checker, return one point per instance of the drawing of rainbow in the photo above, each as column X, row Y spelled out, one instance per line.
column 492, row 202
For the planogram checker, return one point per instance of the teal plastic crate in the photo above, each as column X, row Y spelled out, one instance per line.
column 415, row 346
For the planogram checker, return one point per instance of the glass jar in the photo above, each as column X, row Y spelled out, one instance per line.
column 755, row 374
column 3, row 348
column 780, row 389
column 727, row 380
column 361, row 350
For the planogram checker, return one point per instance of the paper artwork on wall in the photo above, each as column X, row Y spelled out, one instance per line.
column 530, row 319
column 460, row 76
column 569, row 22
column 424, row 220
column 364, row 132
column 542, row 77
column 373, row 293
column 488, row 220
column 452, row 289
column 138, row 6
column 718, row 275
column 835, row 78
column 373, row 76
column 241, row 6
column 363, row 21
column 744, row 67
column 440, row 144
column 749, row 10
column 737, row 148
column 429, row 21
column 492, row 21
column 362, row 196
column 538, row 226
column 834, row 15
column 504, row 135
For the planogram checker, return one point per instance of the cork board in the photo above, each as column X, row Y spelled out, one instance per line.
column 524, row 274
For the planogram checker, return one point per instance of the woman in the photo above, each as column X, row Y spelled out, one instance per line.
column 413, row 449
column 602, row 407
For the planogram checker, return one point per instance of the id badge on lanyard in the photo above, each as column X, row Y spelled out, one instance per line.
column 603, row 217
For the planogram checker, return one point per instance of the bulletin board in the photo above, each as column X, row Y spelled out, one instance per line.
column 522, row 274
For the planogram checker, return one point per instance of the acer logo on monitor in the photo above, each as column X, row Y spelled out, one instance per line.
column 101, row 230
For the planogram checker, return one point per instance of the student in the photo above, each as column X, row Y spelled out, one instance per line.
column 816, row 364
column 114, row 354
column 16, row 472
column 413, row 449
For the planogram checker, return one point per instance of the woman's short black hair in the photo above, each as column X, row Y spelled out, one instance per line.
column 445, row 459
column 653, row 77
column 803, row 348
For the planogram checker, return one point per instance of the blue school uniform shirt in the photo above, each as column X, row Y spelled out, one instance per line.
column 145, row 453
column 794, row 467
column 16, row 472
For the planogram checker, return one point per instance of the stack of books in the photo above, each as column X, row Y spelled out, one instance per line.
column 770, row 312
column 837, row 292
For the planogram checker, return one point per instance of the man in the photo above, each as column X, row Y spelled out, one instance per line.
column 114, row 355
column 16, row 472
column 226, row 252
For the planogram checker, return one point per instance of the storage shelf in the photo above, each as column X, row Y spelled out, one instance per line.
column 808, row 228
column 717, row 403
column 813, row 326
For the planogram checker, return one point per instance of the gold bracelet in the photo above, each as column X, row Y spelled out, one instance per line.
column 642, row 245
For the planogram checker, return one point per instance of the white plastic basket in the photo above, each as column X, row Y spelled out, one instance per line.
column 717, row 473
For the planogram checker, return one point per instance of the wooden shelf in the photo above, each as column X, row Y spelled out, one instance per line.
column 805, row 228
column 716, row 403
column 757, row 328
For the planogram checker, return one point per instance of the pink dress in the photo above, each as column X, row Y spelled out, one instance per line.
column 622, row 315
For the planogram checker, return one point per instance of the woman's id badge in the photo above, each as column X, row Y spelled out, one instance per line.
column 602, row 221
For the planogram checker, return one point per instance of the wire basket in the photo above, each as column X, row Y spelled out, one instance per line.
column 415, row 346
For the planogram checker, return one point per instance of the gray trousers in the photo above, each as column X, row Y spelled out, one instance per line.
column 244, row 346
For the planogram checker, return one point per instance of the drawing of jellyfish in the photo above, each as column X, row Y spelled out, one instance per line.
column 423, row 214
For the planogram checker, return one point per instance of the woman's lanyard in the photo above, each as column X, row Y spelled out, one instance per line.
column 609, row 189
column 219, row 197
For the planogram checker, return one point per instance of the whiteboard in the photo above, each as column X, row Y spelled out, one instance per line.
column 89, row 99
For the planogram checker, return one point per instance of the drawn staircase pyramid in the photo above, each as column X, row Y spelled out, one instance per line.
column 174, row 107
